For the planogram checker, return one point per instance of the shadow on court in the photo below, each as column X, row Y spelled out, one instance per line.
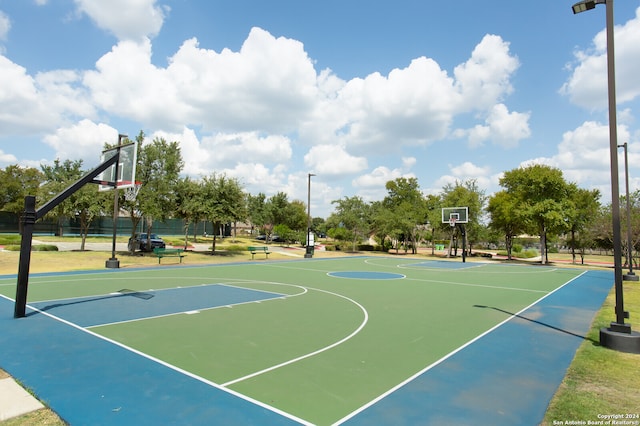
column 120, row 293
column 511, row 314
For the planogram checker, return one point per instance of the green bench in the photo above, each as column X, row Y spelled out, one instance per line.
column 254, row 250
column 171, row 252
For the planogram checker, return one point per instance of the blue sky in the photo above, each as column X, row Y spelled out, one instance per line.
column 356, row 92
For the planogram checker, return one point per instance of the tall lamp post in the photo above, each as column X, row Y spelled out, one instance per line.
column 630, row 276
column 310, row 239
column 618, row 335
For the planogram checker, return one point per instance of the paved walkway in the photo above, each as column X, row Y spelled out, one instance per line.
column 15, row 401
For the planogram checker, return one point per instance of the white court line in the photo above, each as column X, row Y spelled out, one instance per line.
column 173, row 367
column 449, row 355
column 319, row 351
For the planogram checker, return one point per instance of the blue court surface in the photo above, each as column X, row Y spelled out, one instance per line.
column 504, row 376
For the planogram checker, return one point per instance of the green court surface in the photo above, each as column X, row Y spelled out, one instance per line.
column 315, row 339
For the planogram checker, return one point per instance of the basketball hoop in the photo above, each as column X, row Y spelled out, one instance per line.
column 130, row 193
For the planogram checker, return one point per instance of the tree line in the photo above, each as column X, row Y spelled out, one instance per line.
column 535, row 200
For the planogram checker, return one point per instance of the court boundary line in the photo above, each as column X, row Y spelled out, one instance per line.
column 171, row 366
column 449, row 355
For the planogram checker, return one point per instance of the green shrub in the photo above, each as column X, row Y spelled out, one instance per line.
column 365, row 247
column 44, row 247
column 516, row 248
column 10, row 239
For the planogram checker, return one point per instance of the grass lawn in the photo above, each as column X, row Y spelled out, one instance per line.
column 599, row 381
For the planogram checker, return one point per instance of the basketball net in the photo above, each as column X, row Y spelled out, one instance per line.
column 452, row 222
column 131, row 192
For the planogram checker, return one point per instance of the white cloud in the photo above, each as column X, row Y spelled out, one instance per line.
column 485, row 78
column 330, row 160
column 465, row 172
column 6, row 159
column 502, row 128
column 126, row 19
column 584, row 156
column 84, row 140
column 587, row 85
column 228, row 91
column 5, row 26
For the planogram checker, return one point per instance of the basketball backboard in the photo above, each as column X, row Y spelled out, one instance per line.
column 126, row 167
column 458, row 214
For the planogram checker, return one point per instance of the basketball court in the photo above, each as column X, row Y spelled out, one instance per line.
column 358, row 340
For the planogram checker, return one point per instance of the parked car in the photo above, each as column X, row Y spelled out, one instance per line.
column 139, row 242
column 273, row 238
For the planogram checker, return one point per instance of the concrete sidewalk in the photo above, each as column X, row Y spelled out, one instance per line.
column 15, row 401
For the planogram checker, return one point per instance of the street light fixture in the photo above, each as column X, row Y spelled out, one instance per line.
column 310, row 239
column 631, row 276
column 619, row 335
column 586, row 5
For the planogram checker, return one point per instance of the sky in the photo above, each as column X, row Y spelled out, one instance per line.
column 355, row 92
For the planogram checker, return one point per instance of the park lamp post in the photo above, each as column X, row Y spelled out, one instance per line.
column 630, row 276
column 618, row 335
column 310, row 239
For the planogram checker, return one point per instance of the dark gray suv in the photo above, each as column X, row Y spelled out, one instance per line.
column 139, row 242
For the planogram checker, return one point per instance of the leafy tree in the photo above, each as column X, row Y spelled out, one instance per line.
column 542, row 193
column 279, row 211
column 257, row 210
column 56, row 179
column 16, row 183
column 505, row 217
column 89, row 204
column 355, row 216
column 406, row 210
column 584, row 206
column 159, row 166
column 188, row 205
column 220, row 198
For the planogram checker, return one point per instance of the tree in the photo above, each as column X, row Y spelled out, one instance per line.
column 159, row 166
column 406, row 211
column 584, row 206
column 89, row 204
column 542, row 193
column 279, row 211
column 505, row 217
column 355, row 216
column 188, row 205
column 16, row 183
column 56, row 179
column 221, row 197
column 257, row 210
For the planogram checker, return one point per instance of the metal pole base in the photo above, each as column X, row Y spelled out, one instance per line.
column 112, row 263
column 630, row 277
column 620, row 341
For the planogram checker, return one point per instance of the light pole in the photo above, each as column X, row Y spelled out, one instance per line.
column 630, row 276
column 310, row 240
column 618, row 335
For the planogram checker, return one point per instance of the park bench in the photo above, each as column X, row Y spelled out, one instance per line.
column 254, row 250
column 171, row 252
